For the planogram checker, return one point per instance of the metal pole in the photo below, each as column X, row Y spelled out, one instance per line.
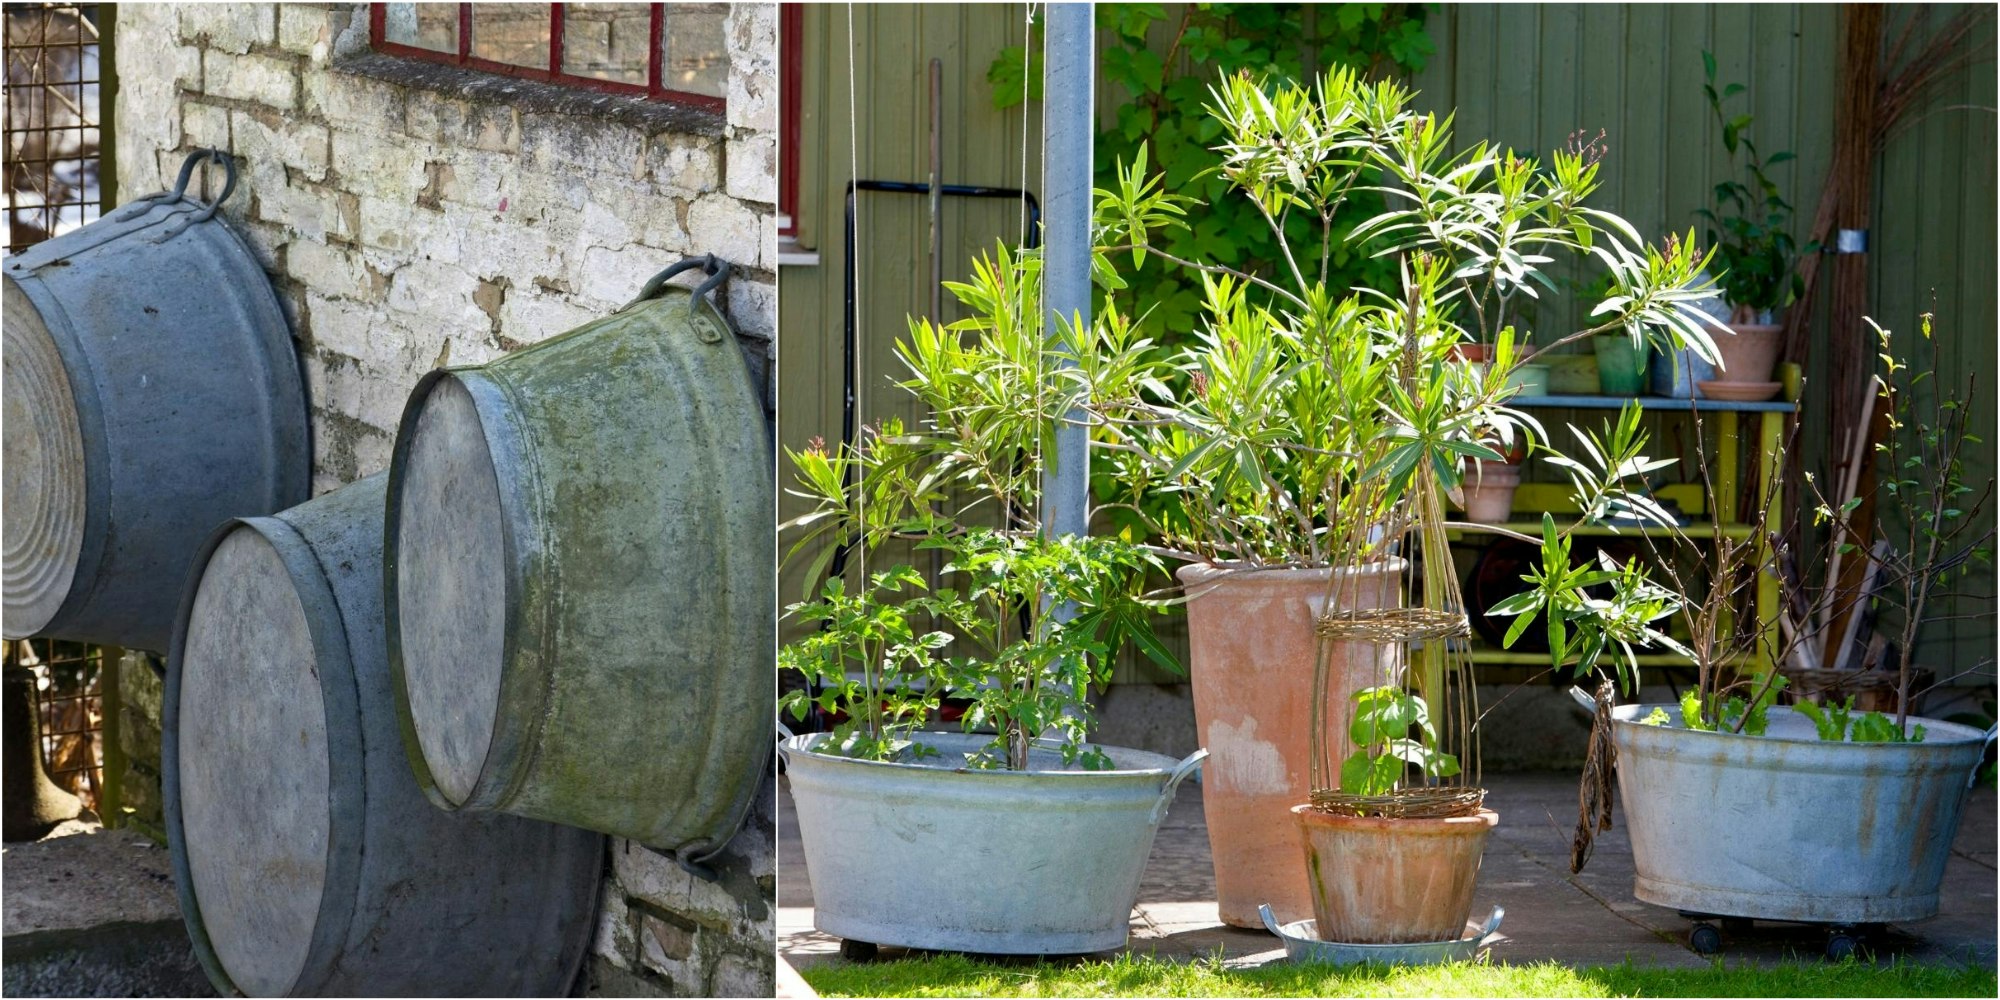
column 1069, row 107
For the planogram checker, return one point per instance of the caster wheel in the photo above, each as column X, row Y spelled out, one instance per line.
column 857, row 951
column 1705, row 939
column 1841, row 945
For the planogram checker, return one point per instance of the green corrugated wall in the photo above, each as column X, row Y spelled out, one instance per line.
column 1519, row 74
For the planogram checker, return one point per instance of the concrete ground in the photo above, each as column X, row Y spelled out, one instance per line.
column 1581, row 920
column 92, row 912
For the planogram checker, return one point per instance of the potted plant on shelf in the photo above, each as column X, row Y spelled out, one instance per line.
column 1753, row 244
column 1873, row 798
column 1041, row 835
column 1255, row 454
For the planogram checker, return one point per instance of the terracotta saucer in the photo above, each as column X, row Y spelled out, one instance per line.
column 1740, row 392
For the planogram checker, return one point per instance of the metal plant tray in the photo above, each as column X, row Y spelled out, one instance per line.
column 1302, row 944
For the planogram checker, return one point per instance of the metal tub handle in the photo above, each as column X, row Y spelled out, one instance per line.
column 1188, row 765
column 715, row 267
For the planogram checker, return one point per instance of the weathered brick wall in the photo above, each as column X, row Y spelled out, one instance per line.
column 410, row 214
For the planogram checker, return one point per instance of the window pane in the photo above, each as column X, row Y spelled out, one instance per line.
column 607, row 41
column 693, row 57
column 513, row 33
column 431, row 26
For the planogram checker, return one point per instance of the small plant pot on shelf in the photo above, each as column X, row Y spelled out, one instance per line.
column 1378, row 880
column 1621, row 364
column 1786, row 826
column 1489, row 491
column 1749, row 353
column 930, row 854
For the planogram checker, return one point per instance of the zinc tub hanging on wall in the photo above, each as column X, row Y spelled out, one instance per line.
column 307, row 860
column 151, row 392
column 579, row 577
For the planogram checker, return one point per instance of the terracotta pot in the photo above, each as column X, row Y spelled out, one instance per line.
column 1489, row 491
column 1392, row 881
column 1472, row 352
column 1749, row 355
column 1251, row 650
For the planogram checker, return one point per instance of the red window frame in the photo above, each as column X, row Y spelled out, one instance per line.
column 553, row 73
column 791, row 70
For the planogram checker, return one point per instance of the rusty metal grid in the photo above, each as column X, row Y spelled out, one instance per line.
column 69, row 703
column 56, row 131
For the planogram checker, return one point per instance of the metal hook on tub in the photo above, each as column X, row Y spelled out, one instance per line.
column 715, row 267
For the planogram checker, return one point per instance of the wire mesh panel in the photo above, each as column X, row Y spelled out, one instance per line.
column 69, row 703
column 56, row 127
column 56, row 132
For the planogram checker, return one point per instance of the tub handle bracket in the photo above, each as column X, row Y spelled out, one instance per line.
column 717, row 270
column 1188, row 765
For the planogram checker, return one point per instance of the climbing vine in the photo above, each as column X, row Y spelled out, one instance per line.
column 1166, row 66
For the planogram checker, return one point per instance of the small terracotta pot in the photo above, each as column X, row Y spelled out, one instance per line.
column 1489, row 491
column 1472, row 352
column 1392, row 881
column 1750, row 354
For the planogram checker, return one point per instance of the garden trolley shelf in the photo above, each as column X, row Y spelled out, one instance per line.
column 1727, row 418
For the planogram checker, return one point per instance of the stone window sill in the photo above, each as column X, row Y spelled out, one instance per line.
column 533, row 97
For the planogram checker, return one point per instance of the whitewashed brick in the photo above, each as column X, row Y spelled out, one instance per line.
column 753, row 307
column 401, row 229
column 611, row 277
column 722, row 225
column 353, row 102
column 372, row 451
column 204, row 125
column 614, row 938
column 684, row 164
column 439, row 294
column 306, row 29
column 370, row 164
column 228, row 27
column 529, row 317
column 753, row 66
column 667, row 885
column 753, row 167
column 310, row 211
column 582, row 146
column 739, row 975
column 300, row 145
column 259, row 79
column 331, row 271
column 349, row 329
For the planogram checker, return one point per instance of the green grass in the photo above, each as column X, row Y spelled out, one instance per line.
column 1128, row 976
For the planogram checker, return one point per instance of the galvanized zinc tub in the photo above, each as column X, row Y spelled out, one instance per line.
column 929, row 854
column 151, row 391
column 1787, row 827
column 579, row 579
column 306, row 859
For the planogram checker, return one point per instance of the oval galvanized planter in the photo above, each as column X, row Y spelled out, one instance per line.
column 579, row 578
column 1787, row 827
column 932, row 855
column 151, row 392
column 306, row 859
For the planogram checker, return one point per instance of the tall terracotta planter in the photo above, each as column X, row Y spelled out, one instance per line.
column 1252, row 646
column 1392, row 881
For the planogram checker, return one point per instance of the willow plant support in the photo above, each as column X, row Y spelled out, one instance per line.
column 1420, row 646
